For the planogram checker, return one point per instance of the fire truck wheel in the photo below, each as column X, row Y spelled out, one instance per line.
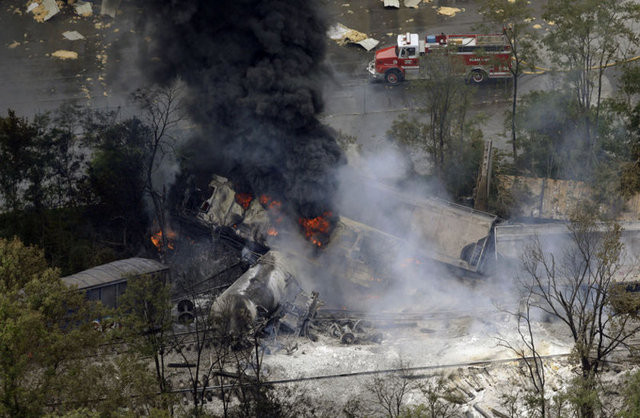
column 478, row 77
column 393, row 77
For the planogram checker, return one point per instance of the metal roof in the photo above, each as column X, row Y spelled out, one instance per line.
column 113, row 272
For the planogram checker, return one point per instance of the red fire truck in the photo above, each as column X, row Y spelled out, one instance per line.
column 477, row 57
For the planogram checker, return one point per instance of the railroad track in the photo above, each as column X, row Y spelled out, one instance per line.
column 409, row 371
column 326, row 314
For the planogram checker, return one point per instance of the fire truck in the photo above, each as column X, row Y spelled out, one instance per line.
column 476, row 57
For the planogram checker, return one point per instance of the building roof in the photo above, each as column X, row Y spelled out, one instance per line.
column 113, row 272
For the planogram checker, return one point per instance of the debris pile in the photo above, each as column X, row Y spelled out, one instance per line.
column 448, row 11
column 351, row 331
column 65, row 55
column 395, row 4
column 83, row 8
column 109, row 7
column 72, row 35
column 344, row 35
column 43, row 10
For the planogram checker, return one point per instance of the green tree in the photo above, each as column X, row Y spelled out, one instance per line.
column 587, row 37
column 550, row 123
column 66, row 156
column 513, row 17
column 117, row 179
column 624, row 141
column 17, row 136
column 448, row 135
column 440, row 401
column 145, row 312
column 44, row 332
column 631, row 400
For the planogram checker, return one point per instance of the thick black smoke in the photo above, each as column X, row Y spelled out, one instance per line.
column 252, row 68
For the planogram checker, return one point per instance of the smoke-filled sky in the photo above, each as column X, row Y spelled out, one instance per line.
column 253, row 71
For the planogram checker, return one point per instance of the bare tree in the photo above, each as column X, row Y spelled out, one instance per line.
column 390, row 390
column 196, row 346
column 575, row 286
column 219, row 356
column 527, row 350
column 162, row 113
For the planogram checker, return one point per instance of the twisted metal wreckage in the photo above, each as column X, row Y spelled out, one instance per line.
column 360, row 254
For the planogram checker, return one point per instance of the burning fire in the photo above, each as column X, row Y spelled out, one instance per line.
column 410, row 262
column 244, row 199
column 270, row 203
column 315, row 226
column 156, row 239
column 273, row 209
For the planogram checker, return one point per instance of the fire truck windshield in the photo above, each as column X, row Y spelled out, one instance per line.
column 406, row 52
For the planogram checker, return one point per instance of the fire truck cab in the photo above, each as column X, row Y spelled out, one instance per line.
column 477, row 57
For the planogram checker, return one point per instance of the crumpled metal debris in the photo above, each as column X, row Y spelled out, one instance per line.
column 344, row 35
column 83, row 8
column 73, row 35
column 350, row 331
column 43, row 10
column 109, row 7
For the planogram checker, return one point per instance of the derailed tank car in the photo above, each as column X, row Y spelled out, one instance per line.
column 452, row 234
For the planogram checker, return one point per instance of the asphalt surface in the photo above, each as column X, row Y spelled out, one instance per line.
column 106, row 72
column 365, row 110
column 32, row 80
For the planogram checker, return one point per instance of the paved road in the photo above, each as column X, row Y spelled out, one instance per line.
column 365, row 110
column 32, row 80
column 104, row 74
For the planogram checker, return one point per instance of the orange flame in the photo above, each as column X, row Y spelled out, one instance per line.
column 244, row 199
column 315, row 226
column 156, row 239
column 410, row 262
column 272, row 231
column 270, row 203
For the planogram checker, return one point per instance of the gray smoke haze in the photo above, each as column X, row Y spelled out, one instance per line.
column 252, row 70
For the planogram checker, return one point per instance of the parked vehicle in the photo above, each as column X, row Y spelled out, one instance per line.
column 477, row 57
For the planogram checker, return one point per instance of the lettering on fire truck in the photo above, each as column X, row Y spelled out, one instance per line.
column 476, row 56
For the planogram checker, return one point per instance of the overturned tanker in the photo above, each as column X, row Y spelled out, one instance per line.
column 268, row 289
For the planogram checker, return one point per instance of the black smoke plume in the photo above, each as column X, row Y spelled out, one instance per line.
column 252, row 69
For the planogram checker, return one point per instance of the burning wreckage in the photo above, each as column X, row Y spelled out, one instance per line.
column 361, row 256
